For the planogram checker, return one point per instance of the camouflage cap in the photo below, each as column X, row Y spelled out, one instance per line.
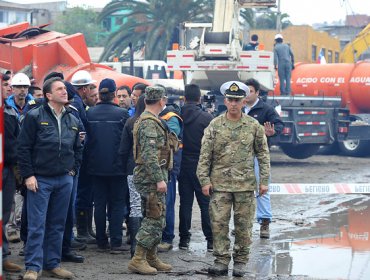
column 154, row 93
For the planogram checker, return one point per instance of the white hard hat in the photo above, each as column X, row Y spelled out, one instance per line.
column 278, row 36
column 82, row 78
column 20, row 79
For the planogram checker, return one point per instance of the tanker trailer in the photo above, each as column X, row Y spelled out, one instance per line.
column 351, row 84
column 37, row 52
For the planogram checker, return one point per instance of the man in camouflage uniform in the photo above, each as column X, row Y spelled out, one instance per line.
column 153, row 158
column 226, row 173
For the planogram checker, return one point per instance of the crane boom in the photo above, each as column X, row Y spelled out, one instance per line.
column 211, row 54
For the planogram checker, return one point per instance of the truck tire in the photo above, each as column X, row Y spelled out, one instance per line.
column 300, row 151
column 355, row 148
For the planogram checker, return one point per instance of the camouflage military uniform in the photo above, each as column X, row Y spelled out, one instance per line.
column 227, row 162
column 150, row 169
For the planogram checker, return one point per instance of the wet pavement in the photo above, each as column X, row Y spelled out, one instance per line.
column 312, row 236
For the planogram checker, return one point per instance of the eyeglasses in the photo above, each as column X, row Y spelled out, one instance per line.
column 21, row 86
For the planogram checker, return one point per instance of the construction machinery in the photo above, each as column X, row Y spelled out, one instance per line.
column 210, row 54
column 343, row 88
column 36, row 52
column 354, row 50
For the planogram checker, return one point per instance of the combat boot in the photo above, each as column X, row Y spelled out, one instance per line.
column 218, row 269
column 83, row 235
column 264, row 229
column 138, row 264
column 239, row 269
column 155, row 262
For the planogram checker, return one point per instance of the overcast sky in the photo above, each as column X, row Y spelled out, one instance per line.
column 300, row 11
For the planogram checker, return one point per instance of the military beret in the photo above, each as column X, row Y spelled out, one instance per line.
column 107, row 85
column 155, row 93
column 234, row 89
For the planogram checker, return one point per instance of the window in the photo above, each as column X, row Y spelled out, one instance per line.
column 330, row 56
column 20, row 16
column 3, row 16
column 118, row 20
column 336, row 57
column 323, row 52
column 107, row 24
column 314, row 53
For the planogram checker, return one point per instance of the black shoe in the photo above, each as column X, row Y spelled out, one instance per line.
column 72, row 257
column 119, row 250
column 210, row 245
column 103, row 248
column 218, row 269
column 184, row 244
column 75, row 245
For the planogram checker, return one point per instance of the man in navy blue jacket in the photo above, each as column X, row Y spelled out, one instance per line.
column 49, row 155
column 104, row 127
column 270, row 119
column 195, row 121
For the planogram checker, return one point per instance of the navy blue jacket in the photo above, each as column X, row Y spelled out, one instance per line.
column 263, row 112
column 11, row 131
column 126, row 150
column 40, row 149
column 195, row 121
column 105, row 123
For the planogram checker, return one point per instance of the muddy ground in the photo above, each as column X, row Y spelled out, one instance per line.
column 301, row 232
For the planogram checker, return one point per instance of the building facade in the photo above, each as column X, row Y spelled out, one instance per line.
column 306, row 43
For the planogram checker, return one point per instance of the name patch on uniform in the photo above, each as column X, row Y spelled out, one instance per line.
column 44, row 123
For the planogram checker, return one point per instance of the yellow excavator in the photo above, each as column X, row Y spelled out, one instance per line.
column 353, row 50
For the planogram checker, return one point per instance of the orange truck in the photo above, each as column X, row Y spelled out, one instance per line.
column 36, row 52
column 329, row 105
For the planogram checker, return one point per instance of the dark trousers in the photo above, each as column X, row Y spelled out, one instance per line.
column 112, row 191
column 188, row 185
column 8, row 197
column 24, row 221
column 84, row 199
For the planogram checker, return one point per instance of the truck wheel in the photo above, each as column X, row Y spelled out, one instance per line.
column 300, row 151
column 355, row 148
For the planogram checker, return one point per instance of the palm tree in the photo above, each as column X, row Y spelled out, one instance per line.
column 152, row 23
column 268, row 21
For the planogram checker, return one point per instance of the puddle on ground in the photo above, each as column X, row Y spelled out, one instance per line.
column 334, row 248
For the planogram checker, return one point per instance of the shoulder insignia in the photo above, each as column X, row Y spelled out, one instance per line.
column 32, row 102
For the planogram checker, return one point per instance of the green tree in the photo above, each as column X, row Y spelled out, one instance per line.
column 81, row 20
column 268, row 21
column 152, row 23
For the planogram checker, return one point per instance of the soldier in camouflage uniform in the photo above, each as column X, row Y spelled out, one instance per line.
column 153, row 158
column 226, row 173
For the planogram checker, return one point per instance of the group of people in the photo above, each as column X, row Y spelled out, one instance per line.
column 283, row 60
column 120, row 154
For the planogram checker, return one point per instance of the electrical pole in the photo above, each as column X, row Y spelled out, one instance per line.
column 278, row 18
